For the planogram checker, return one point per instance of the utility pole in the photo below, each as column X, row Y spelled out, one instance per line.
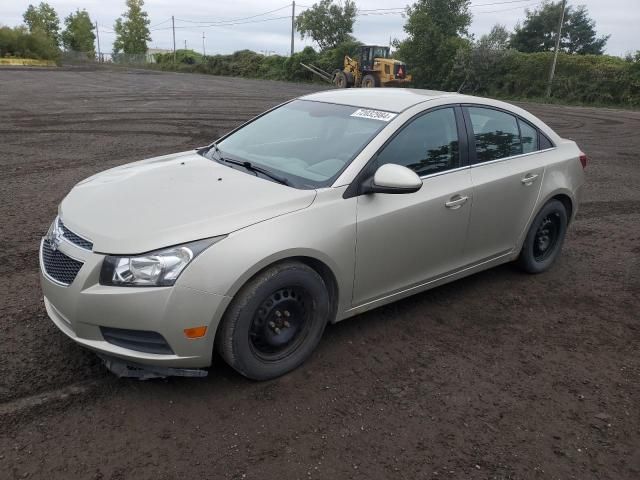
column 293, row 23
column 173, row 27
column 185, row 44
column 555, row 55
column 98, row 37
column 204, row 54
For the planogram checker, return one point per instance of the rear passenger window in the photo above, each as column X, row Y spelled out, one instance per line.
column 529, row 137
column 544, row 142
column 496, row 134
column 428, row 144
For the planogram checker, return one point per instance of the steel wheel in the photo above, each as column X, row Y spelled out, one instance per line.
column 281, row 323
column 546, row 237
column 275, row 321
column 543, row 241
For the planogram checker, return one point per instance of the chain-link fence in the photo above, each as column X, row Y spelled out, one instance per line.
column 80, row 58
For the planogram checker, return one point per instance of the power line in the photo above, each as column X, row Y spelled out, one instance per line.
column 512, row 8
column 380, row 9
column 379, row 13
column 498, row 3
column 214, row 25
column 161, row 23
column 235, row 19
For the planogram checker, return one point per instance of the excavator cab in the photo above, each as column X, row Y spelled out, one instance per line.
column 368, row 53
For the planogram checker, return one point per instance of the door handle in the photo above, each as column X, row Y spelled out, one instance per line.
column 456, row 202
column 529, row 179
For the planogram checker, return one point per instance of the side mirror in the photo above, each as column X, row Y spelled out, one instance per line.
column 392, row 178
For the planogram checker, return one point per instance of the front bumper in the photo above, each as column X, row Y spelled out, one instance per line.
column 81, row 308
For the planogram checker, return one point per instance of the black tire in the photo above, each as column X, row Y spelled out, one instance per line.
column 290, row 293
column 545, row 237
column 340, row 79
column 350, row 80
column 369, row 81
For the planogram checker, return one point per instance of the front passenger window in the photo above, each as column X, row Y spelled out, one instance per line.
column 429, row 144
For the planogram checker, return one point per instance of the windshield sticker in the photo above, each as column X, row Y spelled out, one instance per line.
column 374, row 114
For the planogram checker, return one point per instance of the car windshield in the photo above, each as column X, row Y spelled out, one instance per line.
column 305, row 142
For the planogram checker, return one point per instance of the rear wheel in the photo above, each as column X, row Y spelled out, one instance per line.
column 544, row 240
column 369, row 81
column 275, row 322
column 340, row 79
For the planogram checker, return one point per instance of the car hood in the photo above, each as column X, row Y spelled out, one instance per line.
column 170, row 200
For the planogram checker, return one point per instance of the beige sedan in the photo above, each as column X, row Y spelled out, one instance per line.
column 322, row 208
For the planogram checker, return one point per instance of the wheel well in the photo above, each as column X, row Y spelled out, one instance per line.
column 327, row 276
column 566, row 201
column 321, row 269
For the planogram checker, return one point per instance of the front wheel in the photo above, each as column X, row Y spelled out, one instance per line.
column 543, row 242
column 369, row 81
column 275, row 322
column 340, row 79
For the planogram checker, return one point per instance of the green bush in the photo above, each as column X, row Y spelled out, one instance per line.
column 18, row 42
column 584, row 79
column 599, row 79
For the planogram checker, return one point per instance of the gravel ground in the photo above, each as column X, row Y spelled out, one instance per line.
column 500, row 375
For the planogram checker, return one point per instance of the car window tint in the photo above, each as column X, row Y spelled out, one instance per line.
column 528, row 136
column 428, row 144
column 496, row 134
column 545, row 142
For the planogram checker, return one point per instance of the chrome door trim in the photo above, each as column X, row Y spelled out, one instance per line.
column 479, row 164
column 444, row 172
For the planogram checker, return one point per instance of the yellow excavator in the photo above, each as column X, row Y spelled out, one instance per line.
column 373, row 67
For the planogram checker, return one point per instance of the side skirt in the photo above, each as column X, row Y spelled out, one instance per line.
column 446, row 278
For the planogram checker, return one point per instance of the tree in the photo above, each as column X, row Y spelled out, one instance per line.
column 19, row 42
column 539, row 30
column 436, row 30
column 327, row 23
column 474, row 68
column 132, row 31
column 78, row 35
column 43, row 18
column 496, row 39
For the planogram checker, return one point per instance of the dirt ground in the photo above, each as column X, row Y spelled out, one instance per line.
column 498, row 376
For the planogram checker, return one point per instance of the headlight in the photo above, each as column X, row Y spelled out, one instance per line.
column 155, row 269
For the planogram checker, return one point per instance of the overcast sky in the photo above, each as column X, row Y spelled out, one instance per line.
column 619, row 18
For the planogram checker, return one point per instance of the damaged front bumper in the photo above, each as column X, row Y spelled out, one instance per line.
column 125, row 369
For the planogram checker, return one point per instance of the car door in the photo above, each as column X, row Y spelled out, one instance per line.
column 506, row 174
column 404, row 240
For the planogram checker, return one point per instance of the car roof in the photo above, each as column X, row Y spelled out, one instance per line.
column 389, row 99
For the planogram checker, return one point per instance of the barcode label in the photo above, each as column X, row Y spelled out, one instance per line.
column 374, row 114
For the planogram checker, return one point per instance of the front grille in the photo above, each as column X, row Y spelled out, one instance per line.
column 75, row 238
column 139, row 340
column 58, row 266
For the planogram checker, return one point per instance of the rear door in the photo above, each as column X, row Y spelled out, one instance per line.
column 506, row 174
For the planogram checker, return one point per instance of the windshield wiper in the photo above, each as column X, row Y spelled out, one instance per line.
column 248, row 165
column 254, row 168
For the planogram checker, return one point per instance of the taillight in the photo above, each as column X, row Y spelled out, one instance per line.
column 583, row 159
